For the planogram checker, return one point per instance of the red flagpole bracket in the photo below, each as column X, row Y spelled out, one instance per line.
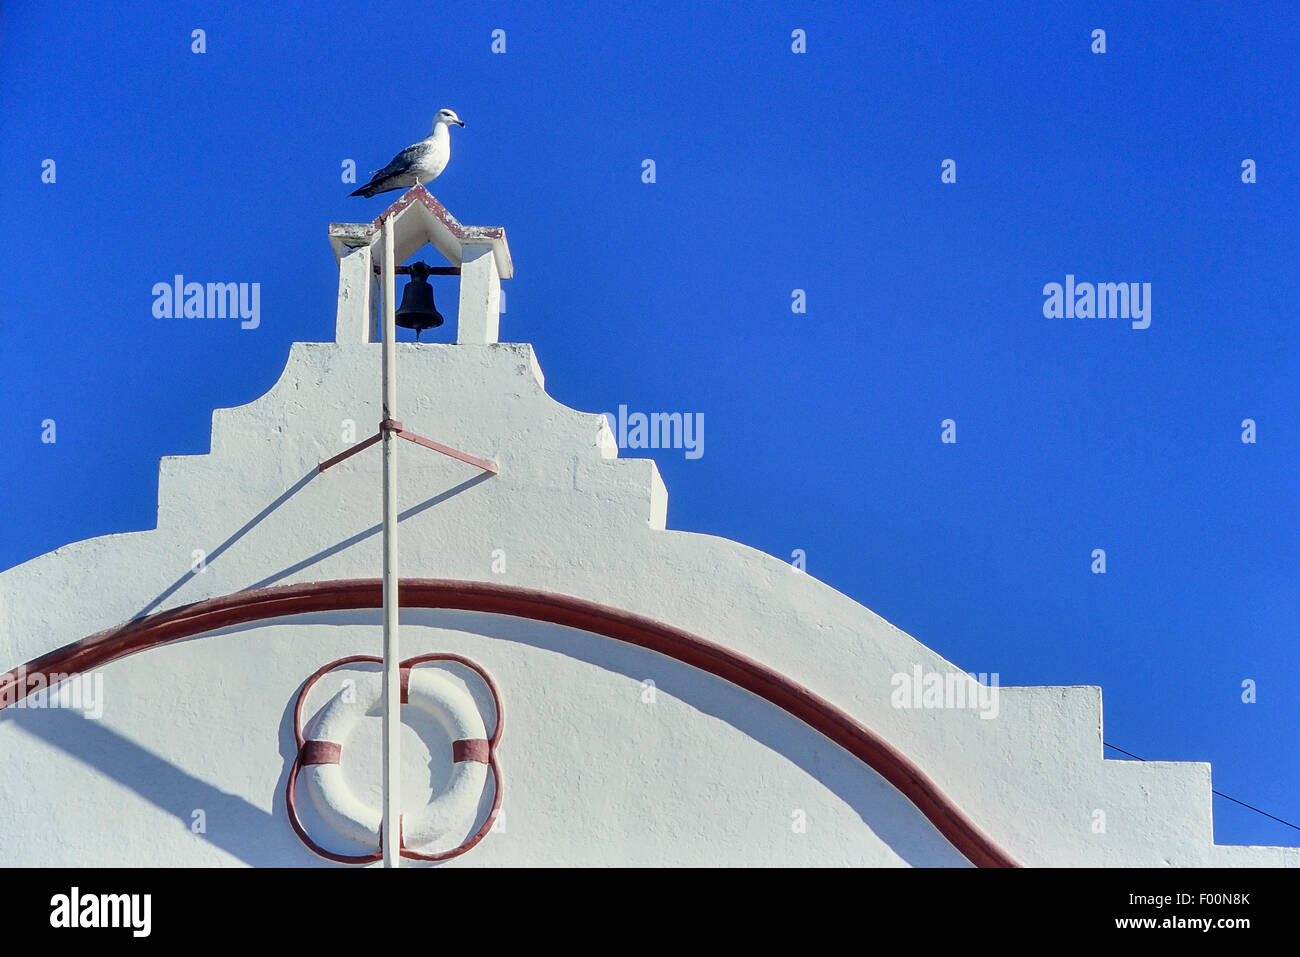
column 392, row 425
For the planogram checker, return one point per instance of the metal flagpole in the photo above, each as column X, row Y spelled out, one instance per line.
column 392, row 686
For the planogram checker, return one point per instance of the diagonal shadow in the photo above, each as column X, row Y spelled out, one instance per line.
column 260, row 839
column 216, row 553
column 297, row 486
column 372, row 530
column 241, row 829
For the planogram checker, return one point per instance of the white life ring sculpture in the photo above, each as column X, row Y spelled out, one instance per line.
column 452, row 810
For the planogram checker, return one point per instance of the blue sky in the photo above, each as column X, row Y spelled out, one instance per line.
column 775, row 171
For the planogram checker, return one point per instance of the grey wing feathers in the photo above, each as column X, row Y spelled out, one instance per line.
column 403, row 160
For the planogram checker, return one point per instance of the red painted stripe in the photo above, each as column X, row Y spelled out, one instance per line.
column 418, row 194
column 320, row 752
column 470, row 749
column 819, row 714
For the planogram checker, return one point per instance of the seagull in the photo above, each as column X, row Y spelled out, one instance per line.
column 417, row 164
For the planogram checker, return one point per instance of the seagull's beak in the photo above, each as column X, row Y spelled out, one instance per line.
column 461, row 123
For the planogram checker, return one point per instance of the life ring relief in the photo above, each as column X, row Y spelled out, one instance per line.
column 449, row 814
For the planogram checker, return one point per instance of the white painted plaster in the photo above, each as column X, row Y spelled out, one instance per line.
column 480, row 293
column 594, row 774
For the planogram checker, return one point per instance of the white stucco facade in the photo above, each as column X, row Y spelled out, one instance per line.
column 597, row 765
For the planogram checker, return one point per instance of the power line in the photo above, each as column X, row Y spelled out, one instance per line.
column 1219, row 793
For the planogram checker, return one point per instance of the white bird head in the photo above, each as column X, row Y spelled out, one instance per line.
column 448, row 117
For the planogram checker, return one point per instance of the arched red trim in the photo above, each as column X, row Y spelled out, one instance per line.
column 260, row 604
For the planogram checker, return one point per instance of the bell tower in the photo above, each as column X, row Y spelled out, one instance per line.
column 366, row 253
column 479, row 255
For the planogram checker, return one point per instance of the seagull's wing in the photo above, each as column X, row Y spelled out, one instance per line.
column 381, row 180
column 403, row 161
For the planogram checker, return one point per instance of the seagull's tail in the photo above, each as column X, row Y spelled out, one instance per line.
column 367, row 191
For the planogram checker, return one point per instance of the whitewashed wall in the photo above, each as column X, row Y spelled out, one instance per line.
column 707, row 774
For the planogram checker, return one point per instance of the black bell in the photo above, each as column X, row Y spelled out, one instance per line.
column 417, row 311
